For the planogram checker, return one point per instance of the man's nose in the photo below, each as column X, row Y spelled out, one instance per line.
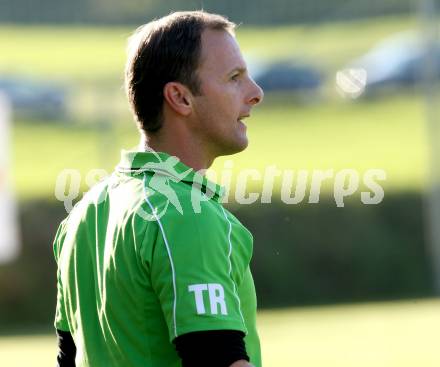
column 257, row 94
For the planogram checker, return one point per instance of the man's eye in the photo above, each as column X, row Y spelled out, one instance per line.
column 235, row 77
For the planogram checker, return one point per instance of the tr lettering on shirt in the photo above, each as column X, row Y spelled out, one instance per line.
column 216, row 297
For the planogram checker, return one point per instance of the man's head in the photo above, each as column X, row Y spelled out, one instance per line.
column 188, row 64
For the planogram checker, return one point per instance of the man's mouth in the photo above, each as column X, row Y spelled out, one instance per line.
column 241, row 118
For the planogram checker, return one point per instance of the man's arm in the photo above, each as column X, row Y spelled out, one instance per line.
column 223, row 348
column 66, row 349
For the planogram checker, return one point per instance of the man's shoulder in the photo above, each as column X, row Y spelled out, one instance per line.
column 114, row 197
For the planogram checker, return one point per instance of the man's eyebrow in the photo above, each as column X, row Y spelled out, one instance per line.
column 240, row 70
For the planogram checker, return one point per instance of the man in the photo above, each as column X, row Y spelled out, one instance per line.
column 152, row 270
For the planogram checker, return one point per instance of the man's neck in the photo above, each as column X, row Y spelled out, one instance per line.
column 188, row 151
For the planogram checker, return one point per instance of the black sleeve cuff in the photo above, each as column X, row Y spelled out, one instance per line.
column 66, row 349
column 214, row 348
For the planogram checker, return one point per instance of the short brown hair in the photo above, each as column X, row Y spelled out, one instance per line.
column 165, row 50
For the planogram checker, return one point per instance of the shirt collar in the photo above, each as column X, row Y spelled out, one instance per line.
column 162, row 163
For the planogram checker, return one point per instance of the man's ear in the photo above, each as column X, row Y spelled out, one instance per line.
column 178, row 97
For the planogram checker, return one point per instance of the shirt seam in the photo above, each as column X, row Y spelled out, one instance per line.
column 230, row 269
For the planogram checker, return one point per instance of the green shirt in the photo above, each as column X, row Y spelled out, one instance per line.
column 147, row 255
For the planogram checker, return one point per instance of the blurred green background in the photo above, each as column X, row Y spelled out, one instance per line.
column 340, row 286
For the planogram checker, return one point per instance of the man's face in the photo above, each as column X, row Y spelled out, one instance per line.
column 227, row 94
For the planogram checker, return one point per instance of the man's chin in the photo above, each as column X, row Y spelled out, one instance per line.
column 243, row 145
column 236, row 147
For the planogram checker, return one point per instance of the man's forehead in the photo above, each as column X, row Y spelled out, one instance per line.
column 220, row 50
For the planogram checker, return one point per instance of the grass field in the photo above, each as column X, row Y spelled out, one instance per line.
column 325, row 136
column 398, row 334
